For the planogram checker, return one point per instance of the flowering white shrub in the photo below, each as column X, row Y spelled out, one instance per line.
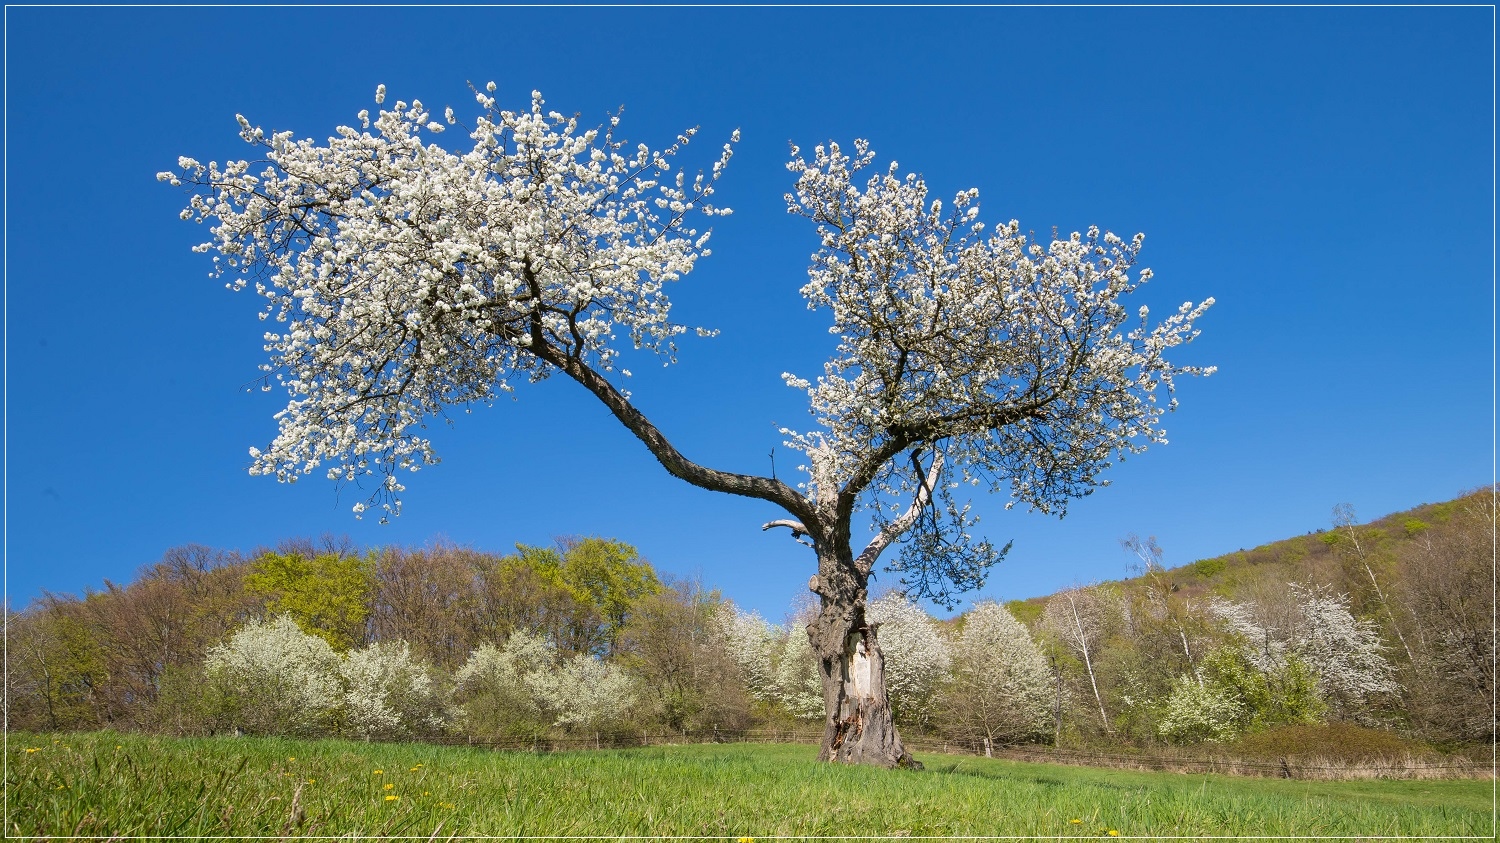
column 1346, row 653
column 1001, row 688
column 916, row 656
column 799, row 689
column 751, row 643
column 496, row 686
column 271, row 678
column 1263, row 646
column 522, row 689
column 1197, row 711
column 387, row 694
column 584, row 694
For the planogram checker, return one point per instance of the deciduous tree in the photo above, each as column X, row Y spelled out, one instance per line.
column 1076, row 619
column 675, row 645
column 327, row 592
column 404, row 279
column 1001, row 689
column 388, row 694
column 919, row 658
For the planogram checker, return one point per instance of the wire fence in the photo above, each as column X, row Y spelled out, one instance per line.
column 1408, row 767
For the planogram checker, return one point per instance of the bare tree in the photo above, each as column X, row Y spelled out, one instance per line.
column 1161, row 593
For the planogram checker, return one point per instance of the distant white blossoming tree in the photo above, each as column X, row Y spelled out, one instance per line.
column 1346, row 653
column 404, row 279
column 525, row 687
column 1001, row 686
column 918, row 656
column 751, row 642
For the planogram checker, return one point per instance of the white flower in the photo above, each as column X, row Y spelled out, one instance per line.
column 292, row 228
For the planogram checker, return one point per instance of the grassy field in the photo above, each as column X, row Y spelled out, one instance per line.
column 103, row 784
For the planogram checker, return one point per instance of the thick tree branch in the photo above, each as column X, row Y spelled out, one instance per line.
column 895, row 529
column 656, row 442
column 798, row 530
column 930, row 432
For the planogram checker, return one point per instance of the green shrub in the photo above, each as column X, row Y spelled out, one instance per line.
column 1286, row 695
column 1207, row 568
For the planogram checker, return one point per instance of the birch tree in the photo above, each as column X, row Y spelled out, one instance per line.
column 1348, row 534
column 1076, row 618
column 403, row 279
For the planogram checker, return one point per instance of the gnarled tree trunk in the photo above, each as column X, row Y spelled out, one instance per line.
column 858, row 728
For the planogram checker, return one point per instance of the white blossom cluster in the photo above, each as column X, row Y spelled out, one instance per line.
column 916, row 655
column 797, row 685
column 1264, row 646
column 1002, row 686
column 751, row 642
column 1195, row 711
column 403, row 278
column 277, row 679
column 274, row 678
column 777, row 660
column 527, row 677
column 388, row 694
column 997, row 360
column 1346, row 653
column 586, row 693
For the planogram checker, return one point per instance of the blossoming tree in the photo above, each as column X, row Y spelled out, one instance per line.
column 404, row 278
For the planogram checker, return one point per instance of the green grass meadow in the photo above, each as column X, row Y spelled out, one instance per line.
column 106, row 784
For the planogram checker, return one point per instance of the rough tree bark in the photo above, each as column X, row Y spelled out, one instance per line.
column 858, row 726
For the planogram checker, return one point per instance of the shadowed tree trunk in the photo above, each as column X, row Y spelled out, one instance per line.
column 858, row 726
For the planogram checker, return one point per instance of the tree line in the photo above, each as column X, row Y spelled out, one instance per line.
column 1385, row 625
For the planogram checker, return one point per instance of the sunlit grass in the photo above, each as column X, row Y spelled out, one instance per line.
column 103, row 784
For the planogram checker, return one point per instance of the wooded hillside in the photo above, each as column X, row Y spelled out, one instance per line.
column 1386, row 625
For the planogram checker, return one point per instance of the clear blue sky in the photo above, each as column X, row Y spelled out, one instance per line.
column 1326, row 174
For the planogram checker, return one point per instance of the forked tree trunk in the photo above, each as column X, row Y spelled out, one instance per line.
column 858, row 727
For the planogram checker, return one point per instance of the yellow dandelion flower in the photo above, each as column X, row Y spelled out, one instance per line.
column 291, row 758
column 389, row 786
column 378, row 773
column 33, row 749
column 747, row 840
column 1076, row 822
column 414, row 769
column 310, row 781
column 449, row 805
column 391, row 797
column 1114, row 833
column 118, row 746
